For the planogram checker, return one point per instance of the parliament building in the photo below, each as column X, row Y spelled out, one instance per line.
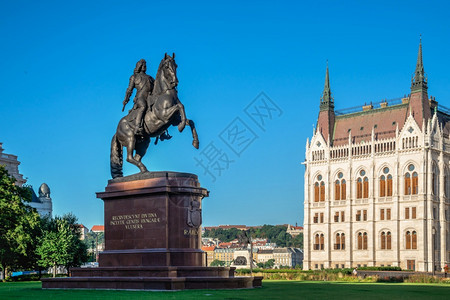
column 377, row 189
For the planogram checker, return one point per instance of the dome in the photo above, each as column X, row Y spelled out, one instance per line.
column 44, row 191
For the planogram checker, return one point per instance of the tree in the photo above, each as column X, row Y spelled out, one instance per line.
column 297, row 241
column 61, row 244
column 217, row 263
column 18, row 222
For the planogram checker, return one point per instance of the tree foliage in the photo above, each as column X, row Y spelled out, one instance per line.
column 217, row 263
column 60, row 245
column 273, row 233
column 18, row 222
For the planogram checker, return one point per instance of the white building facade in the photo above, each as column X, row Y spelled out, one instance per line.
column 377, row 189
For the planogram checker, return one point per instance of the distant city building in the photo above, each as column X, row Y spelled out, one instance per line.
column 294, row 230
column 264, row 255
column 226, row 255
column 287, row 257
column 43, row 203
column 225, row 227
column 98, row 228
column 377, row 188
column 83, row 231
column 11, row 164
column 209, row 251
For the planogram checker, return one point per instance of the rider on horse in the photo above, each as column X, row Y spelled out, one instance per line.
column 143, row 84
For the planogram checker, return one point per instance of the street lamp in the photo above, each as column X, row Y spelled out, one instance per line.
column 93, row 253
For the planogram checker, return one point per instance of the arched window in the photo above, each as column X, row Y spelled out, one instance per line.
column 386, row 240
column 415, row 183
column 317, row 242
column 322, row 242
column 446, row 183
column 389, row 186
column 382, row 186
column 322, row 191
column 337, row 190
column 408, row 240
column 407, row 184
column 365, row 241
column 343, row 190
column 359, row 188
column 435, row 180
column 414, row 240
column 337, row 245
column 316, row 192
column 340, row 241
column 411, row 240
column 362, row 185
column 383, row 240
column 386, row 183
column 319, row 189
column 362, row 241
column 339, row 187
column 411, row 185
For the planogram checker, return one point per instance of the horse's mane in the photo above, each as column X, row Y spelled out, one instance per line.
column 158, row 78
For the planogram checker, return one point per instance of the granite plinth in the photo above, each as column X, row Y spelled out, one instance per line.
column 147, row 221
column 152, row 239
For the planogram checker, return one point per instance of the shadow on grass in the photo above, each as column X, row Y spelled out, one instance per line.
column 270, row 290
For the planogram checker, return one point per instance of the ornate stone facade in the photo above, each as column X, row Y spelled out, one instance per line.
column 377, row 189
column 12, row 166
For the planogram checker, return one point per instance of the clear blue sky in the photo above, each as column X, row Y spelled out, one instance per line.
column 64, row 69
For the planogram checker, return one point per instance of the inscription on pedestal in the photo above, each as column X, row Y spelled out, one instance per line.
column 134, row 221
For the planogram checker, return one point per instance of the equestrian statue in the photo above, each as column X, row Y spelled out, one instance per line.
column 156, row 108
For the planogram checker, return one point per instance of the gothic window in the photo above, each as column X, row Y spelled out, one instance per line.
column 339, row 187
column 362, row 185
column 386, row 240
column 322, row 191
column 386, row 183
column 316, row 242
column 411, row 181
column 389, row 186
column 382, row 186
column 435, row 180
column 340, row 241
column 319, row 189
column 322, row 242
column 362, row 241
column 337, row 190
column 411, row 239
column 343, row 190
column 446, row 183
column 316, row 192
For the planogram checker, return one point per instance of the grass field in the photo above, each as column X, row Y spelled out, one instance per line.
column 270, row 290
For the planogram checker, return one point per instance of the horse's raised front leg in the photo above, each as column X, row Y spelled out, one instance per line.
column 183, row 122
column 130, row 158
column 191, row 124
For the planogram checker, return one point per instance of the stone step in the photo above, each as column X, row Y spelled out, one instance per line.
column 162, row 271
column 151, row 283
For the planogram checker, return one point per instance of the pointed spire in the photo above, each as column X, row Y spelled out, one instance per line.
column 419, row 80
column 326, row 101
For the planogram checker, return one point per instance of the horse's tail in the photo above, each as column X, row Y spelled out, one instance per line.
column 116, row 159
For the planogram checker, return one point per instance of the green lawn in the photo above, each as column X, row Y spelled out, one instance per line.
column 270, row 290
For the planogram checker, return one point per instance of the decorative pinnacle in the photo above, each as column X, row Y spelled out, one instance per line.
column 419, row 80
column 326, row 101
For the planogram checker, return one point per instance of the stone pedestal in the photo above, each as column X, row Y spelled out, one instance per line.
column 153, row 238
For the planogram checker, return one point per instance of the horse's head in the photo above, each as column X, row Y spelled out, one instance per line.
column 168, row 71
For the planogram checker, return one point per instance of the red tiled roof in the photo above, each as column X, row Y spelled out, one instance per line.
column 208, row 248
column 360, row 124
column 98, row 228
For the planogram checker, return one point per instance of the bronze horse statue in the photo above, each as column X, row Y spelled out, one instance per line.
column 164, row 109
